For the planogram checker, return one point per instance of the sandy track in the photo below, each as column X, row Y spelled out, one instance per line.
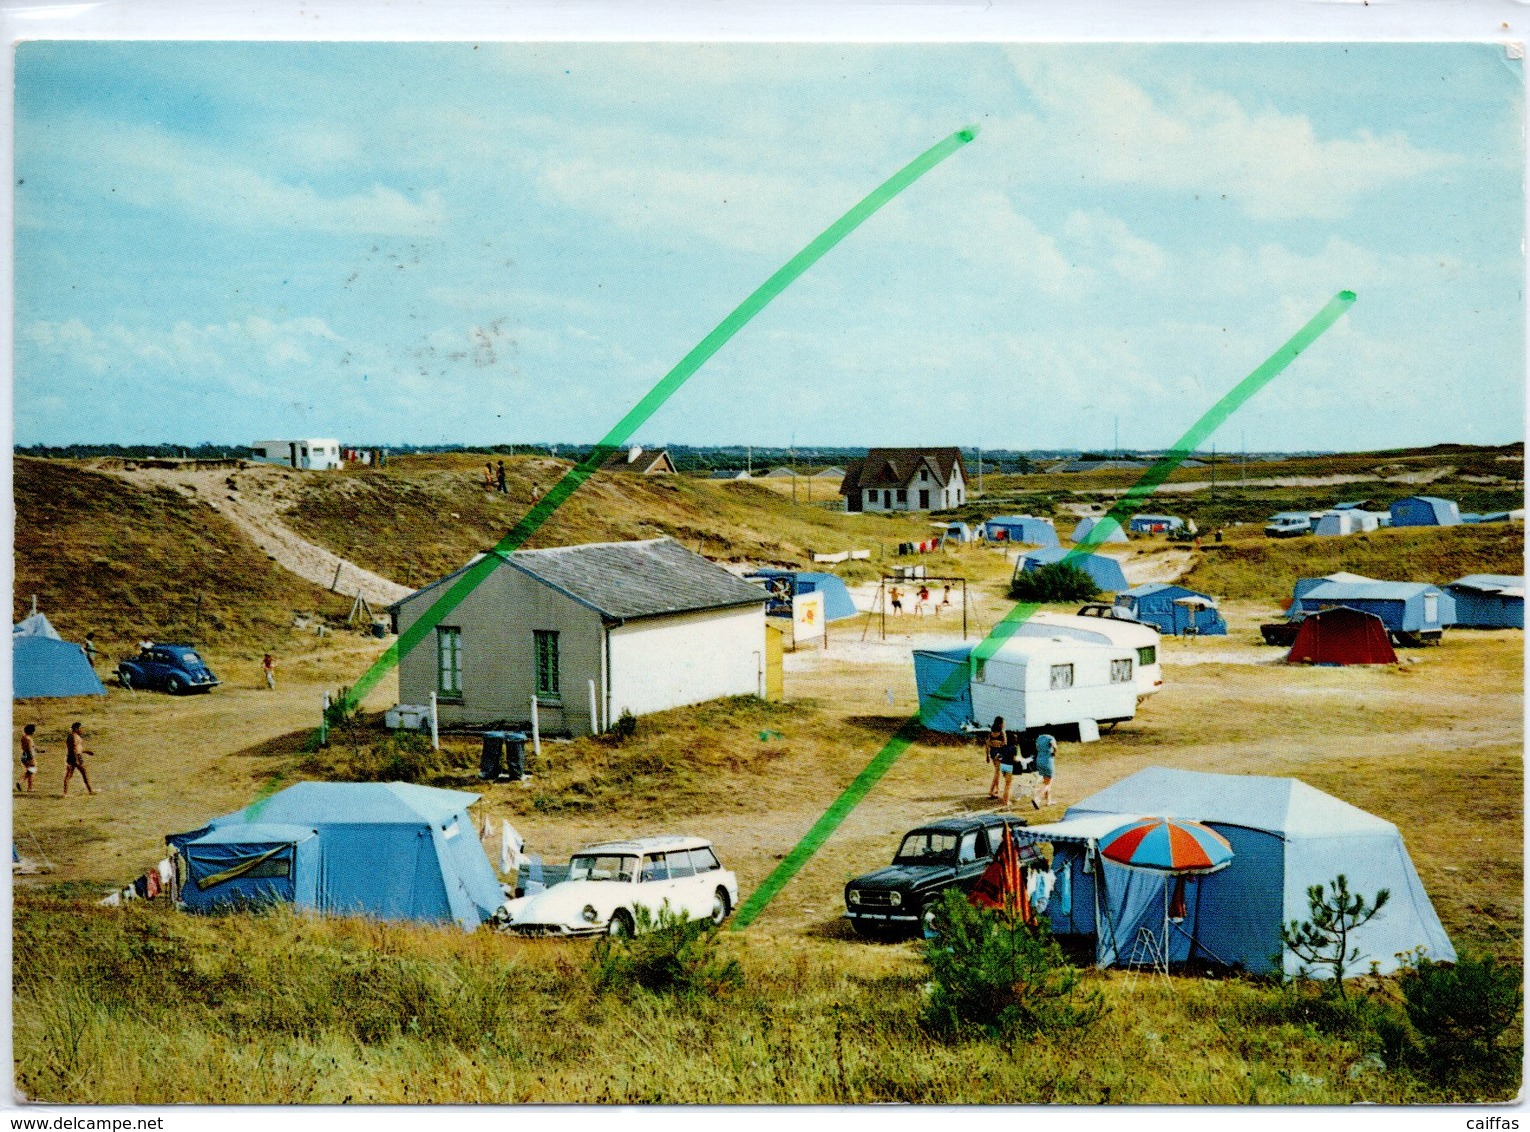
column 255, row 506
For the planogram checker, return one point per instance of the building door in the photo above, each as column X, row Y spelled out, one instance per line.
column 924, row 499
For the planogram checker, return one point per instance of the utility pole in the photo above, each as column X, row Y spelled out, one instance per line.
column 1117, row 451
column 980, row 469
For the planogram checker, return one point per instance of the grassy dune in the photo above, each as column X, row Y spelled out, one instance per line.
column 286, row 1009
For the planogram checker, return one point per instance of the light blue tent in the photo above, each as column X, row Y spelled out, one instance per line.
column 1173, row 609
column 1099, row 529
column 1489, row 601
column 941, row 707
column 1021, row 528
column 45, row 665
column 1285, row 835
column 250, row 864
column 1105, row 571
column 392, row 850
column 784, row 584
column 1404, row 607
column 1425, row 511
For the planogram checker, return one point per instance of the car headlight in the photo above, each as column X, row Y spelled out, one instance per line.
column 895, row 899
column 855, row 896
column 589, row 914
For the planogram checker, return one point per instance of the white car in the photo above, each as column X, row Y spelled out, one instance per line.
column 607, row 883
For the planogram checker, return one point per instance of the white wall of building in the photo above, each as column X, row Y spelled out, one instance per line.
column 664, row 662
column 940, row 497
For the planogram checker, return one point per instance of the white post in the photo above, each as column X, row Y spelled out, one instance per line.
column 435, row 735
column 536, row 730
column 594, row 719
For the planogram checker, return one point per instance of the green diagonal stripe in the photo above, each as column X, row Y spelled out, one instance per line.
column 904, row 737
column 660, row 393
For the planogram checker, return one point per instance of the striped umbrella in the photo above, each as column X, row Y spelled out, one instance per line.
column 1167, row 845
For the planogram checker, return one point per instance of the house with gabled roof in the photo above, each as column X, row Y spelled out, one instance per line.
column 589, row 631
column 905, row 479
column 640, row 462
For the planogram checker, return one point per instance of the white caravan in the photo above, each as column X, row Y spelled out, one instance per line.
column 1141, row 639
column 1048, row 682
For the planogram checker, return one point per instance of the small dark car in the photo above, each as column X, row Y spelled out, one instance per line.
column 952, row 851
column 175, row 668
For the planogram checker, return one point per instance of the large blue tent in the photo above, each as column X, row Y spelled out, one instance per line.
column 1105, row 570
column 1489, row 601
column 43, row 664
column 784, row 584
column 1404, row 607
column 1425, row 511
column 1021, row 528
column 1285, row 836
column 392, row 850
column 1173, row 609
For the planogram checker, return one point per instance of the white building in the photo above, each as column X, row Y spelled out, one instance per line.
column 649, row 624
column 905, row 479
column 314, row 455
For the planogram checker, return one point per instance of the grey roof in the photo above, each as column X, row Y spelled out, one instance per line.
column 1489, row 583
column 629, row 580
column 1367, row 591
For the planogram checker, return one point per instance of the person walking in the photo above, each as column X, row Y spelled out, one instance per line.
column 28, row 757
column 269, row 665
column 74, row 757
column 896, row 596
column 993, row 743
column 1009, row 764
column 90, row 648
column 1046, row 766
column 503, row 490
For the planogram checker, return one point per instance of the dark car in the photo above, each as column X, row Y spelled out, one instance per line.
column 175, row 668
column 952, row 851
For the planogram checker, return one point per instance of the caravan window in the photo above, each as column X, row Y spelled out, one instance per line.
column 1062, row 677
column 1120, row 672
column 1147, row 655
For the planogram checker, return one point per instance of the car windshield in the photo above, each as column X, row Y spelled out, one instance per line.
column 602, row 866
column 926, row 847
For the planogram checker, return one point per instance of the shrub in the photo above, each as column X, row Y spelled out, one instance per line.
column 1461, row 1013
column 669, row 954
column 625, row 726
column 1060, row 581
column 992, row 973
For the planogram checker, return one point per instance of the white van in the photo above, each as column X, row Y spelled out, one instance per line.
column 1047, row 682
column 1143, row 639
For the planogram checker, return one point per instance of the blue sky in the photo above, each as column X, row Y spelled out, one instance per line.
column 446, row 243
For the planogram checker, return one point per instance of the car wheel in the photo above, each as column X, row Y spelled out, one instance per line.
column 173, row 685
column 721, row 905
column 620, row 925
column 927, row 918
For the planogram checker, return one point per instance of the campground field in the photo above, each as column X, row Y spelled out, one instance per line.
column 280, row 1008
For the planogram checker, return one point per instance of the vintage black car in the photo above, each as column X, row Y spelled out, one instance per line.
column 952, row 851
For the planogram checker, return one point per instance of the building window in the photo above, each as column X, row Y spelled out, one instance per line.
column 1120, row 672
column 871, row 499
column 1062, row 677
column 449, row 661
column 547, row 662
column 903, row 495
column 924, row 475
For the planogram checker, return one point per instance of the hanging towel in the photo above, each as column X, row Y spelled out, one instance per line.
column 151, row 884
column 510, row 845
column 1064, row 893
column 112, row 901
column 1040, row 889
column 488, row 829
column 166, row 872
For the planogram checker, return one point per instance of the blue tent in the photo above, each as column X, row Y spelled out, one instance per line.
column 1425, row 511
column 1152, row 524
column 1404, row 607
column 932, row 669
column 392, row 850
column 1173, row 609
column 1021, row 528
column 1105, row 571
column 43, row 664
column 1489, row 601
column 1099, row 529
column 1285, row 837
column 784, row 584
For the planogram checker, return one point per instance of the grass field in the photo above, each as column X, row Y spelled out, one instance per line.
column 283, row 1008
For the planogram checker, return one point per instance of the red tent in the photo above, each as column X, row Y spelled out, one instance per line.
column 1342, row 635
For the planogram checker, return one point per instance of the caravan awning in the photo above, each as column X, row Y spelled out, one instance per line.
column 1081, row 831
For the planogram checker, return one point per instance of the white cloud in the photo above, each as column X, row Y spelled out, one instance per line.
column 1273, row 164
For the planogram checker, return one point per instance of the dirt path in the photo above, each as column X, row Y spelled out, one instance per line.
column 255, row 504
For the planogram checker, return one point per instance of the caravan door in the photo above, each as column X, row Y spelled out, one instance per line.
column 998, row 688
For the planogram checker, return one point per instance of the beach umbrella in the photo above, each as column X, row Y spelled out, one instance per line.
column 1167, row 845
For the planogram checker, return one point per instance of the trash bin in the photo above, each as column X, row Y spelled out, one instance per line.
column 491, row 762
column 513, row 766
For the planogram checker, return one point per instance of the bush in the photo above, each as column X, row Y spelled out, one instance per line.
column 669, row 954
column 398, row 756
column 993, row 974
column 625, row 726
column 1061, row 581
column 1461, row 1013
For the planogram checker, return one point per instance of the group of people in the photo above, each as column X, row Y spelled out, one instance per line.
column 921, row 601
column 74, row 758
column 1017, row 752
column 494, row 480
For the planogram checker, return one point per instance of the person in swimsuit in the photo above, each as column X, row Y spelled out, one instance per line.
column 28, row 757
column 74, row 757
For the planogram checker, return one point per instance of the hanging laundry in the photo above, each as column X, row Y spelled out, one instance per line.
column 166, row 872
column 1063, row 896
column 112, row 901
column 141, row 887
column 510, row 845
column 1040, row 889
column 129, row 894
column 151, row 884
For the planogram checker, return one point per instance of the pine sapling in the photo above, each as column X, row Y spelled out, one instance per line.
column 1324, row 939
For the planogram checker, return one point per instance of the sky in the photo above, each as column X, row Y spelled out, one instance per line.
column 497, row 243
